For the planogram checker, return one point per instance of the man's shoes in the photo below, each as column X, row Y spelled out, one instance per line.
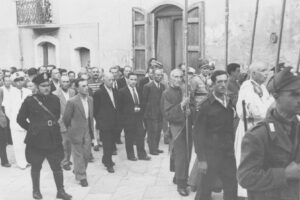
column 110, row 169
column 37, row 195
column 132, row 158
column 147, row 158
column 7, row 165
column 97, row 148
column 182, row 191
column 63, row 195
column 67, row 167
column 160, row 151
column 114, row 153
column 155, row 153
column 84, row 183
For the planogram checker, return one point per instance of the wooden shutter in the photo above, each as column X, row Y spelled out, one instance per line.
column 139, row 40
column 196, row 34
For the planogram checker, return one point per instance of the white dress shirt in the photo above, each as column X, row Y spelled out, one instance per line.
column 111, row 95
column 66, row 94
column 85, row 106
column 132, row 95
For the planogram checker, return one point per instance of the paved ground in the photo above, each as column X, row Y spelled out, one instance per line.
column 141, row 180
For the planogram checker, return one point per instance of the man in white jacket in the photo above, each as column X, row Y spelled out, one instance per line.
column 14, row 102
column 257, row 101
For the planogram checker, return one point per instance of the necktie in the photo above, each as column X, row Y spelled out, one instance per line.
column 112, row 98
column 115, row 85
column 135, row 97
column 21, row 94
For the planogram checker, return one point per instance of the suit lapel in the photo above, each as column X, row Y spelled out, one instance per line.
column 90, row 108
column 129, row 94
column 108, row 97
column 80, row 105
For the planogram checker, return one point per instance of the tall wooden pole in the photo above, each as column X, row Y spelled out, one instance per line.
column 298, row 63
column 253, row 32
column 280, row 35
column 226, row 31
column 185, row 56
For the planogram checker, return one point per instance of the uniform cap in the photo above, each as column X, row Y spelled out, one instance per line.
column 17, row 75
column 191, row 70
column 41, row 78
column 285, row 80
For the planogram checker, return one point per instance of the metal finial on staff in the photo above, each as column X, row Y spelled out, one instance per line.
column 253, row 32
column 280, row 35
column 226, row 31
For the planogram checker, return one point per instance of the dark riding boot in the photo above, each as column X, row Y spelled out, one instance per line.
column 59, row 181
column 35, row 176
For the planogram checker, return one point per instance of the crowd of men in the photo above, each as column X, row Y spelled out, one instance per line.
column 55, row 114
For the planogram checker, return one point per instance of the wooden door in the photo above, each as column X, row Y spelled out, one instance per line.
column 196, row 34
column 139, row 40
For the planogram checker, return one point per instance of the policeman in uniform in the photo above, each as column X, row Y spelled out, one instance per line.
column 38, row 115
column 270, row 159
column 199, row 84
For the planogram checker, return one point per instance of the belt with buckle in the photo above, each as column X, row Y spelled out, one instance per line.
column 50, row 123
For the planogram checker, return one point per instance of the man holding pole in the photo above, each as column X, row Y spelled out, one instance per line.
column 174, row 107
column 269, row 167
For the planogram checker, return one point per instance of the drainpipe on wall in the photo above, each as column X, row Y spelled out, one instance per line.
column 20, row 48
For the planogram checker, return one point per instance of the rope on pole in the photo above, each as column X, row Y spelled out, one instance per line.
column 226, row 31
column 253, row 32
column 280, row 35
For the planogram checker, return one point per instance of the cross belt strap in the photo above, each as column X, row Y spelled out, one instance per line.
column 46, row 109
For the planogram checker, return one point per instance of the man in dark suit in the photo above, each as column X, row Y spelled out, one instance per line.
column 78, row 119
column 105, row 113
column 152, row 93
column 122, row 82
column 55, row 77
column 131, row 111
column 148, row 78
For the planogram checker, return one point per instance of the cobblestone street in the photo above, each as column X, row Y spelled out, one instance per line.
column 139, row 180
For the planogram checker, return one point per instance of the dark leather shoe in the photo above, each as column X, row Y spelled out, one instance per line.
column 147, row 158
column 67, row 167
column 37, row 195
column 6, row 165
column 84, row 183
column 110, row 169
column 63, row 195
column 114, row 153
column 132, row 158
column 160, row 151
column 154, row 153
column 183, row 191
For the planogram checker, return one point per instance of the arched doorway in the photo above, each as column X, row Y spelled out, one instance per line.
column 168, row 37
column 83, row 57
column 46, row 53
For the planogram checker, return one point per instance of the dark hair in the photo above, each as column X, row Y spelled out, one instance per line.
column 149, row 64
column 132, row 74
column 232, row 67
column 62, row 70
column 32, row 71
column 217, row 73
column 70, row 72
column 77, row 81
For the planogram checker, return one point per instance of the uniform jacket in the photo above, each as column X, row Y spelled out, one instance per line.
column 75, row 120
column 213, row 129
column 126, row 105
column 266, row 151
column 106, row 115
column 151, row 98
column 35, row 120
column 63, row 103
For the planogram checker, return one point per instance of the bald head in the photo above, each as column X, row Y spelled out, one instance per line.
column 259, row 72
column 176, row 77
column 108, row 79
column 65, row 83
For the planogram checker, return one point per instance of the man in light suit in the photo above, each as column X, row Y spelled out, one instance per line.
column 78, row 118
column 64, row 93
column 106, row 115
column 131, row 110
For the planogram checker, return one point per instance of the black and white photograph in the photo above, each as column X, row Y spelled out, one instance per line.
column 150, row 99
